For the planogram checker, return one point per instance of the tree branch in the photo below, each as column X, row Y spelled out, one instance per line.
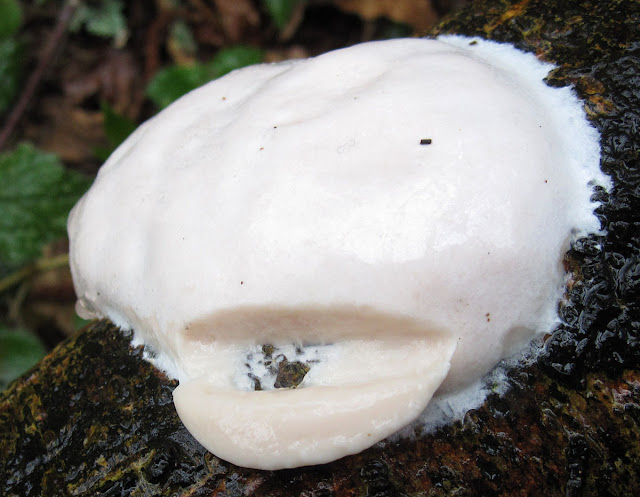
column 39, row 266
column 64, row 18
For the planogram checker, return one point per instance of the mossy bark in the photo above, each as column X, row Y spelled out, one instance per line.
column 93, row 418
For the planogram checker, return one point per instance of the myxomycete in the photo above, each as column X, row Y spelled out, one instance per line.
column 297, row 203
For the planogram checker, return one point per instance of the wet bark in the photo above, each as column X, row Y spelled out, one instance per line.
column 93, row 418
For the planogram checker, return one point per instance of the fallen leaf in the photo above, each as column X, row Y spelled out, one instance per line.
column 237, row 16
column 111, row 75
column 71, row 124
column 289, row 53
column 419, row 14
column 70, row 132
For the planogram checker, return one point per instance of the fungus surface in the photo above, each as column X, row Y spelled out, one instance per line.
column 400, row 209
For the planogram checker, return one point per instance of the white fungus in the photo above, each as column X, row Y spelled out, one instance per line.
column 400, row 207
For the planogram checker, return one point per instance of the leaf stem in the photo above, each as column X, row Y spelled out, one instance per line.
column 39, row 266
column 64, row 18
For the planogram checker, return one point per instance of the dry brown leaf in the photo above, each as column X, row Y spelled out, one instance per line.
column 45, row 315
column 113, row 78
column 419, row 14
column 51, row 300
column 66, row 130
column 208, row 34
column 294, row 52
column 71, row 124
column 237, row 17
column 48, row 300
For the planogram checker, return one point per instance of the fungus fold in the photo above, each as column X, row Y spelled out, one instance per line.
column 297, row 203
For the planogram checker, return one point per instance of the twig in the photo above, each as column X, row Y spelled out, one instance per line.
column 64, row 18
column 39, row 266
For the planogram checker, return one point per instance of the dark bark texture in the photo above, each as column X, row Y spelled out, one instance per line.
column 94, row 419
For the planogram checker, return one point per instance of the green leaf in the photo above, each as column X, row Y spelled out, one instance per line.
column 397, row 30
column 232, row 58
column 281, row 11
column 10, row 71
column 181, row 38
column 116, row 127
column 36, row 194
column 79, row 323
column 106, row 20
column 171, row 83
column 10, row 18
column 19, row 351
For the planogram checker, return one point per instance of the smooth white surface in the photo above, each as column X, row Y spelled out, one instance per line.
column 367, row 393
column 293, row 202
